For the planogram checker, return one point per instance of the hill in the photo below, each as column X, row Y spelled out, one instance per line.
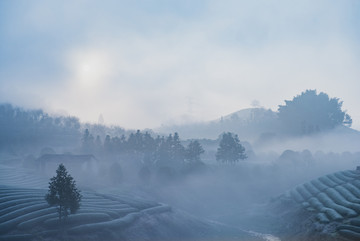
column 248, row 123
column 262, row 129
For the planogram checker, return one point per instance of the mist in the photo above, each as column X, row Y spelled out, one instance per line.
column 229, row 185
column 164, row 120
column 193, row 61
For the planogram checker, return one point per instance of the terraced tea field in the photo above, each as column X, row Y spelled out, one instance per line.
column 25, row 215
column 333, row 198
column 24, row 209
column 20, row 177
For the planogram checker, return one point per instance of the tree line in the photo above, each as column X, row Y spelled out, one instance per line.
column 307, row 113
column 20, row 127
column 144, row 147
column 162, row 151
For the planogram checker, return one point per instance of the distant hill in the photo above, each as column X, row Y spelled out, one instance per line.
column 262, row 128
column 248, row 123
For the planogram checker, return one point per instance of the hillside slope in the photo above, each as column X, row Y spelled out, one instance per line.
column 25, row 215
column 326, row 208
column 248, row 123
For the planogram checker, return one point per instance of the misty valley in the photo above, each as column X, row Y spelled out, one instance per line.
column 255, row 174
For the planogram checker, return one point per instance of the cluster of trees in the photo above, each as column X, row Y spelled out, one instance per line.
column 167, row 154
column 307, row 113
column 310, row 112
column 160, row 151
column 24, row 127
column 163, row 150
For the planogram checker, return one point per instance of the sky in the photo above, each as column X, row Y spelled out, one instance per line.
column 142, row 64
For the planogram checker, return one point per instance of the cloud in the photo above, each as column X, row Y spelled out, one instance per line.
column 141, row 65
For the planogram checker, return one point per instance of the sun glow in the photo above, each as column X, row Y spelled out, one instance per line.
column 90, row 69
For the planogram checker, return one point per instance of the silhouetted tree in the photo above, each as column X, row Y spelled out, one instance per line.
column 311, row 112
column 177, row 150
column 63, row 193
column 107, row 144
column 135, row 142
column 193, row 151
column 87, row 141
column 163, row 152
column 193, row 162
column 149, row 148
column 230, row 150
column 169, row 155
column 149, row 143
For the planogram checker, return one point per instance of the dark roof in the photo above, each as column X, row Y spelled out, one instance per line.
column 65, row 158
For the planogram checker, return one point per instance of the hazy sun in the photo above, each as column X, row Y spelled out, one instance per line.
column 90, row 69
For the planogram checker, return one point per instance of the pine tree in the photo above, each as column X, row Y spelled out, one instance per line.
column 63, row 193
column 193, row 152
column 87, row 141
column 192, row 157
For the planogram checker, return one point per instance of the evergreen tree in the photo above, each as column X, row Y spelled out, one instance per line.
column 107, row 144
column 131, row 143
column 63, row 193
column 87, row 141
column 230, row 150
column 193, row 152
column 149, row 148
column 149, row 143
column 192, row 157
column 177, row 149
column 162, row 154
column 170, row 152
column 139, row 144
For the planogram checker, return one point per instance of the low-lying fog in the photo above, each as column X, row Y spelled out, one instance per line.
column 229, row 179
column 224, row 192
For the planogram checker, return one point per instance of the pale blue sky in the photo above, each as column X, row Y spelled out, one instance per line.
column 144, row 63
